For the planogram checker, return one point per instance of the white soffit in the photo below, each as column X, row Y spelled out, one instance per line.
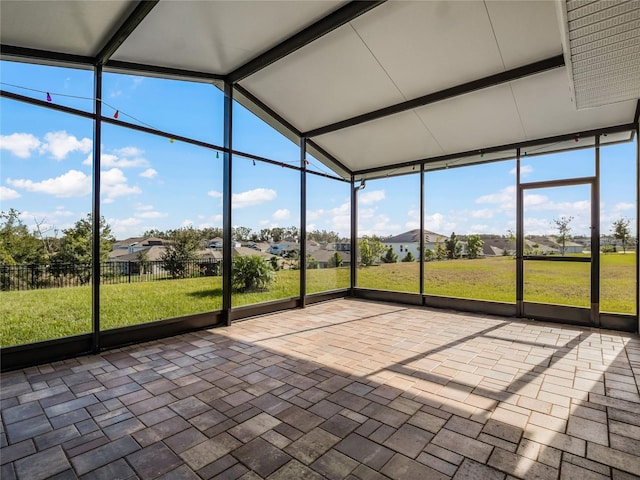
column 334, row 78
column 546, row 108
column 390, row 140
column 219, row 36
column 526, row 31
column 72, row 27
column 485, row 118
column 427, row 46
column 603, row 39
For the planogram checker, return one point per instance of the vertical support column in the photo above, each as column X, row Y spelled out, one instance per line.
column 227, row 263
column 519, row 241
column 354, row 233
column 595, row 240
column 422, row 229
column 638, row 225
column 303, row 221
column 95, row 209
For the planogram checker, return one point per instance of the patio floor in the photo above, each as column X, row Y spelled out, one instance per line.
column 344, row 389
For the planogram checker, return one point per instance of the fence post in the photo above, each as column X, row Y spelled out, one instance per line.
column 129, row 270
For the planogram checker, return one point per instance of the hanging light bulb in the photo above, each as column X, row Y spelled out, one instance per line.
column 217, row 154
column 254, row 162
column 576, row 139
column 171, row 140
column 48, row 97
column 115, row 115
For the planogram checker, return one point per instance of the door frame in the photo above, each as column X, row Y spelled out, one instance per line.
column 579, row 315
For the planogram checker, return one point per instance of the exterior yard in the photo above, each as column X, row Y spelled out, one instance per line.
column 36, row 315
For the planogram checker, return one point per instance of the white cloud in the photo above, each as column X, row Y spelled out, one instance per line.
column 281, row 214
column 524, row 170
column 187, row 223
column 109, row 161
column 71, row 184
column 20, row 144
column 143, row 207
column 129, row 152
column 506, row 196
column 253, row 197
column 8, row 194
column 60, row 144
column 152, row 214
column 482, row 213
column 114, row 184
column 438, row 223
column 214, row 194
column 482, row 228
column 149, row 173
column 624, row 206
column 369, row 197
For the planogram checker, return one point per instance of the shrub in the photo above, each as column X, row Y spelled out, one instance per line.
column 251, row 273
column 409, row 257
column 390, row 256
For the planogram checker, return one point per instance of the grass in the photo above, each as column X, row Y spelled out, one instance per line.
column 36, row 315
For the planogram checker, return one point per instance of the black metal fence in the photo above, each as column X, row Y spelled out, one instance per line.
column 60, row 275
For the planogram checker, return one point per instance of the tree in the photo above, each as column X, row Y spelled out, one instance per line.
column 275, row 266
column 370, row 249
column 474, row 246
column 564, row 231
column 409, row 257
column 143, row 261
column 335, row 260
column 453, row 247
column 241, row 234
column 311, row 261
column 75, row 253
column 441, row 252
column 323, row 236
column 390, row 256
column 180, row 251
column 621, row 231
column 17, row 244
column 251, row 272
column 429, row 254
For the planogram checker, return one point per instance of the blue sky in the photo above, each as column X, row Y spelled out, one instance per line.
column 151, row 182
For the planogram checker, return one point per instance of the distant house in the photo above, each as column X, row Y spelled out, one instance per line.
column 325, row 257
column 410, row 242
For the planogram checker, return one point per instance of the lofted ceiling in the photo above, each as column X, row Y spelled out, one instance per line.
column 372, row 84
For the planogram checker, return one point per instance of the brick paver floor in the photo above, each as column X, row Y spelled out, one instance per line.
column 344, row 389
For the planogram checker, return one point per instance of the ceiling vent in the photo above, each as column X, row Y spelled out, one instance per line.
column 601, row 41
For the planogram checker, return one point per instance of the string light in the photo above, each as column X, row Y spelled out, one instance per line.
column 576, row 139
column 254, row 162
column 171, row 140
column 115, row 115
column 48, row 97
column 481, row 154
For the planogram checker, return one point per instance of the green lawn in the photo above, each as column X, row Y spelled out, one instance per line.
column 35, row 315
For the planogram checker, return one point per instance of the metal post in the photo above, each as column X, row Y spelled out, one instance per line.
column 638, row 225
column 519, row 241
column 354, row 234
column 95, row 217
column 227, row 263
column 422, row 250
column 595, row 240
column 303, row 221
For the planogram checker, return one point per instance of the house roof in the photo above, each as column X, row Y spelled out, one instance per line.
column 413, row 236
column 375, row 86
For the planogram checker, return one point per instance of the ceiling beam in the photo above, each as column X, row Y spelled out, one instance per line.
column 162, row 72
column 128, row 26
column 462, row 89
column 44, row 55
column 626, row 127
column 327, row 24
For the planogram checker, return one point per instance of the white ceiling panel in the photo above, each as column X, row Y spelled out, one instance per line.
column 390, row 140
column 73, row 27
column 484, row 118
column 546, row 107
column 334, row 78
column 433, row 44
column 217, row 37
column 526, row 31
